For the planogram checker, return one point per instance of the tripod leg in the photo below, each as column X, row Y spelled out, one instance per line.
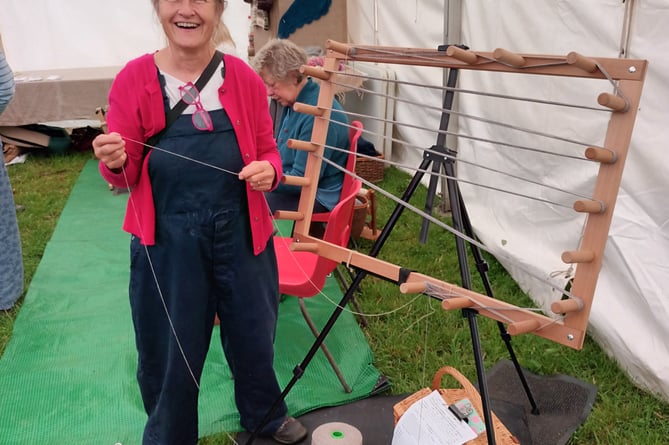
column 462, row 223
column 439, row 147
column 480, row 371
column 482, row 267
column 354, row 302
column 431, row 194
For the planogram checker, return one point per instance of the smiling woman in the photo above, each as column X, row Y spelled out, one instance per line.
column 197, row 206
column 190, row 26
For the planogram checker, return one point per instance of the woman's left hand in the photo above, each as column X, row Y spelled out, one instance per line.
column 259, row 174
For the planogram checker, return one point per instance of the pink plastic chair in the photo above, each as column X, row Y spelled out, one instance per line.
column 303, row 274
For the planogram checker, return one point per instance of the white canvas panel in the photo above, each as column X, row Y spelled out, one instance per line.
column 49, row 35
column 629, row 312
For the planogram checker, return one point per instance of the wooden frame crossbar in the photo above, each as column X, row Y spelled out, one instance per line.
column 626, row 76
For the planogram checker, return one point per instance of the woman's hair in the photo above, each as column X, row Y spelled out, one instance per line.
column 222, row 35
column 281, row 58
column 219, row 3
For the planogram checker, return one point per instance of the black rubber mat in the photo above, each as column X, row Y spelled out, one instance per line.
column 563, row 402
column 372, row 416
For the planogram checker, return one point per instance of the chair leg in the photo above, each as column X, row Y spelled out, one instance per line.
column 344, row 283
column 324, row 348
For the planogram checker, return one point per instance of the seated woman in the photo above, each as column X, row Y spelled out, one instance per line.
column 278, row 62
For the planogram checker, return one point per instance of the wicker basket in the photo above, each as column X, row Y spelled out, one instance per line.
column 450, row 396
column 360, row 211
column 370, row 169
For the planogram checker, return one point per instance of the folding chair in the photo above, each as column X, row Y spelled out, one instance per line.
column 303, row 274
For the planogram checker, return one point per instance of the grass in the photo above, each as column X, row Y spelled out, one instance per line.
column 411, row 336
column 41, row 187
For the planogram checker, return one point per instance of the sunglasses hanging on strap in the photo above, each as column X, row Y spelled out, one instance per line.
column 175, row 112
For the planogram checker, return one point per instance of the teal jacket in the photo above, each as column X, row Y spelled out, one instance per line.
column 298, row 126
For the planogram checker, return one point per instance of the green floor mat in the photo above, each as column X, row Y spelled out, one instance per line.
column 68, row 373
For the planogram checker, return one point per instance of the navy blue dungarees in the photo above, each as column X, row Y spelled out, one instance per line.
column 204, row 265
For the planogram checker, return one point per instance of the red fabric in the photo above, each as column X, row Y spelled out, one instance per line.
column 136, row 111
column 303, row 274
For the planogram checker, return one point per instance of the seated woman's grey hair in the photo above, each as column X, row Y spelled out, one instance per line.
column 280, row 58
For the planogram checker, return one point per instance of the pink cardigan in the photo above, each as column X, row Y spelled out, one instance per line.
column 136, row 111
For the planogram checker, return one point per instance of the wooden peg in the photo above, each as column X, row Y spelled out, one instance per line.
column 456, row 303
column 568, row 305
column 509, row 58
column 603, row 155
column 578, row 256
column 589, row 206
column 300, row 181
column 286, row 214
column 523, row 327
column 308, row 109
column 585, row 63
column 304, row 247
column 461, row 54
column 342, row 48
column 313, row 71
column 296, row 144
column 416, row 287
column 616, row 103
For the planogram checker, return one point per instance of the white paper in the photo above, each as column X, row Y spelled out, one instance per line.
column 429, row 422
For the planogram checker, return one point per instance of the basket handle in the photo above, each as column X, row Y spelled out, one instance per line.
column 470, row 389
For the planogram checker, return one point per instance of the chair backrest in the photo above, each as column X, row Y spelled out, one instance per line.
column 303, row 274
column 338, row 228
column 354, row 134
column 338, row 232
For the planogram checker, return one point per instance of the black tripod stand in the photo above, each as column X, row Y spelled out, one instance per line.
column 442, row 158
column 437, row 159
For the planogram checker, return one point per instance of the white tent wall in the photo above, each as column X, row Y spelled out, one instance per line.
column 43, row 35
column 47, row 35
column 630, row 308
column 410, row 24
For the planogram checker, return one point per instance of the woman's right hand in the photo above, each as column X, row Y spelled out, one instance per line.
column 110, row 150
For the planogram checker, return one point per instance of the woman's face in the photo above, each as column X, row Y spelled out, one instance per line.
column 283, row 91
column 189, row 24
